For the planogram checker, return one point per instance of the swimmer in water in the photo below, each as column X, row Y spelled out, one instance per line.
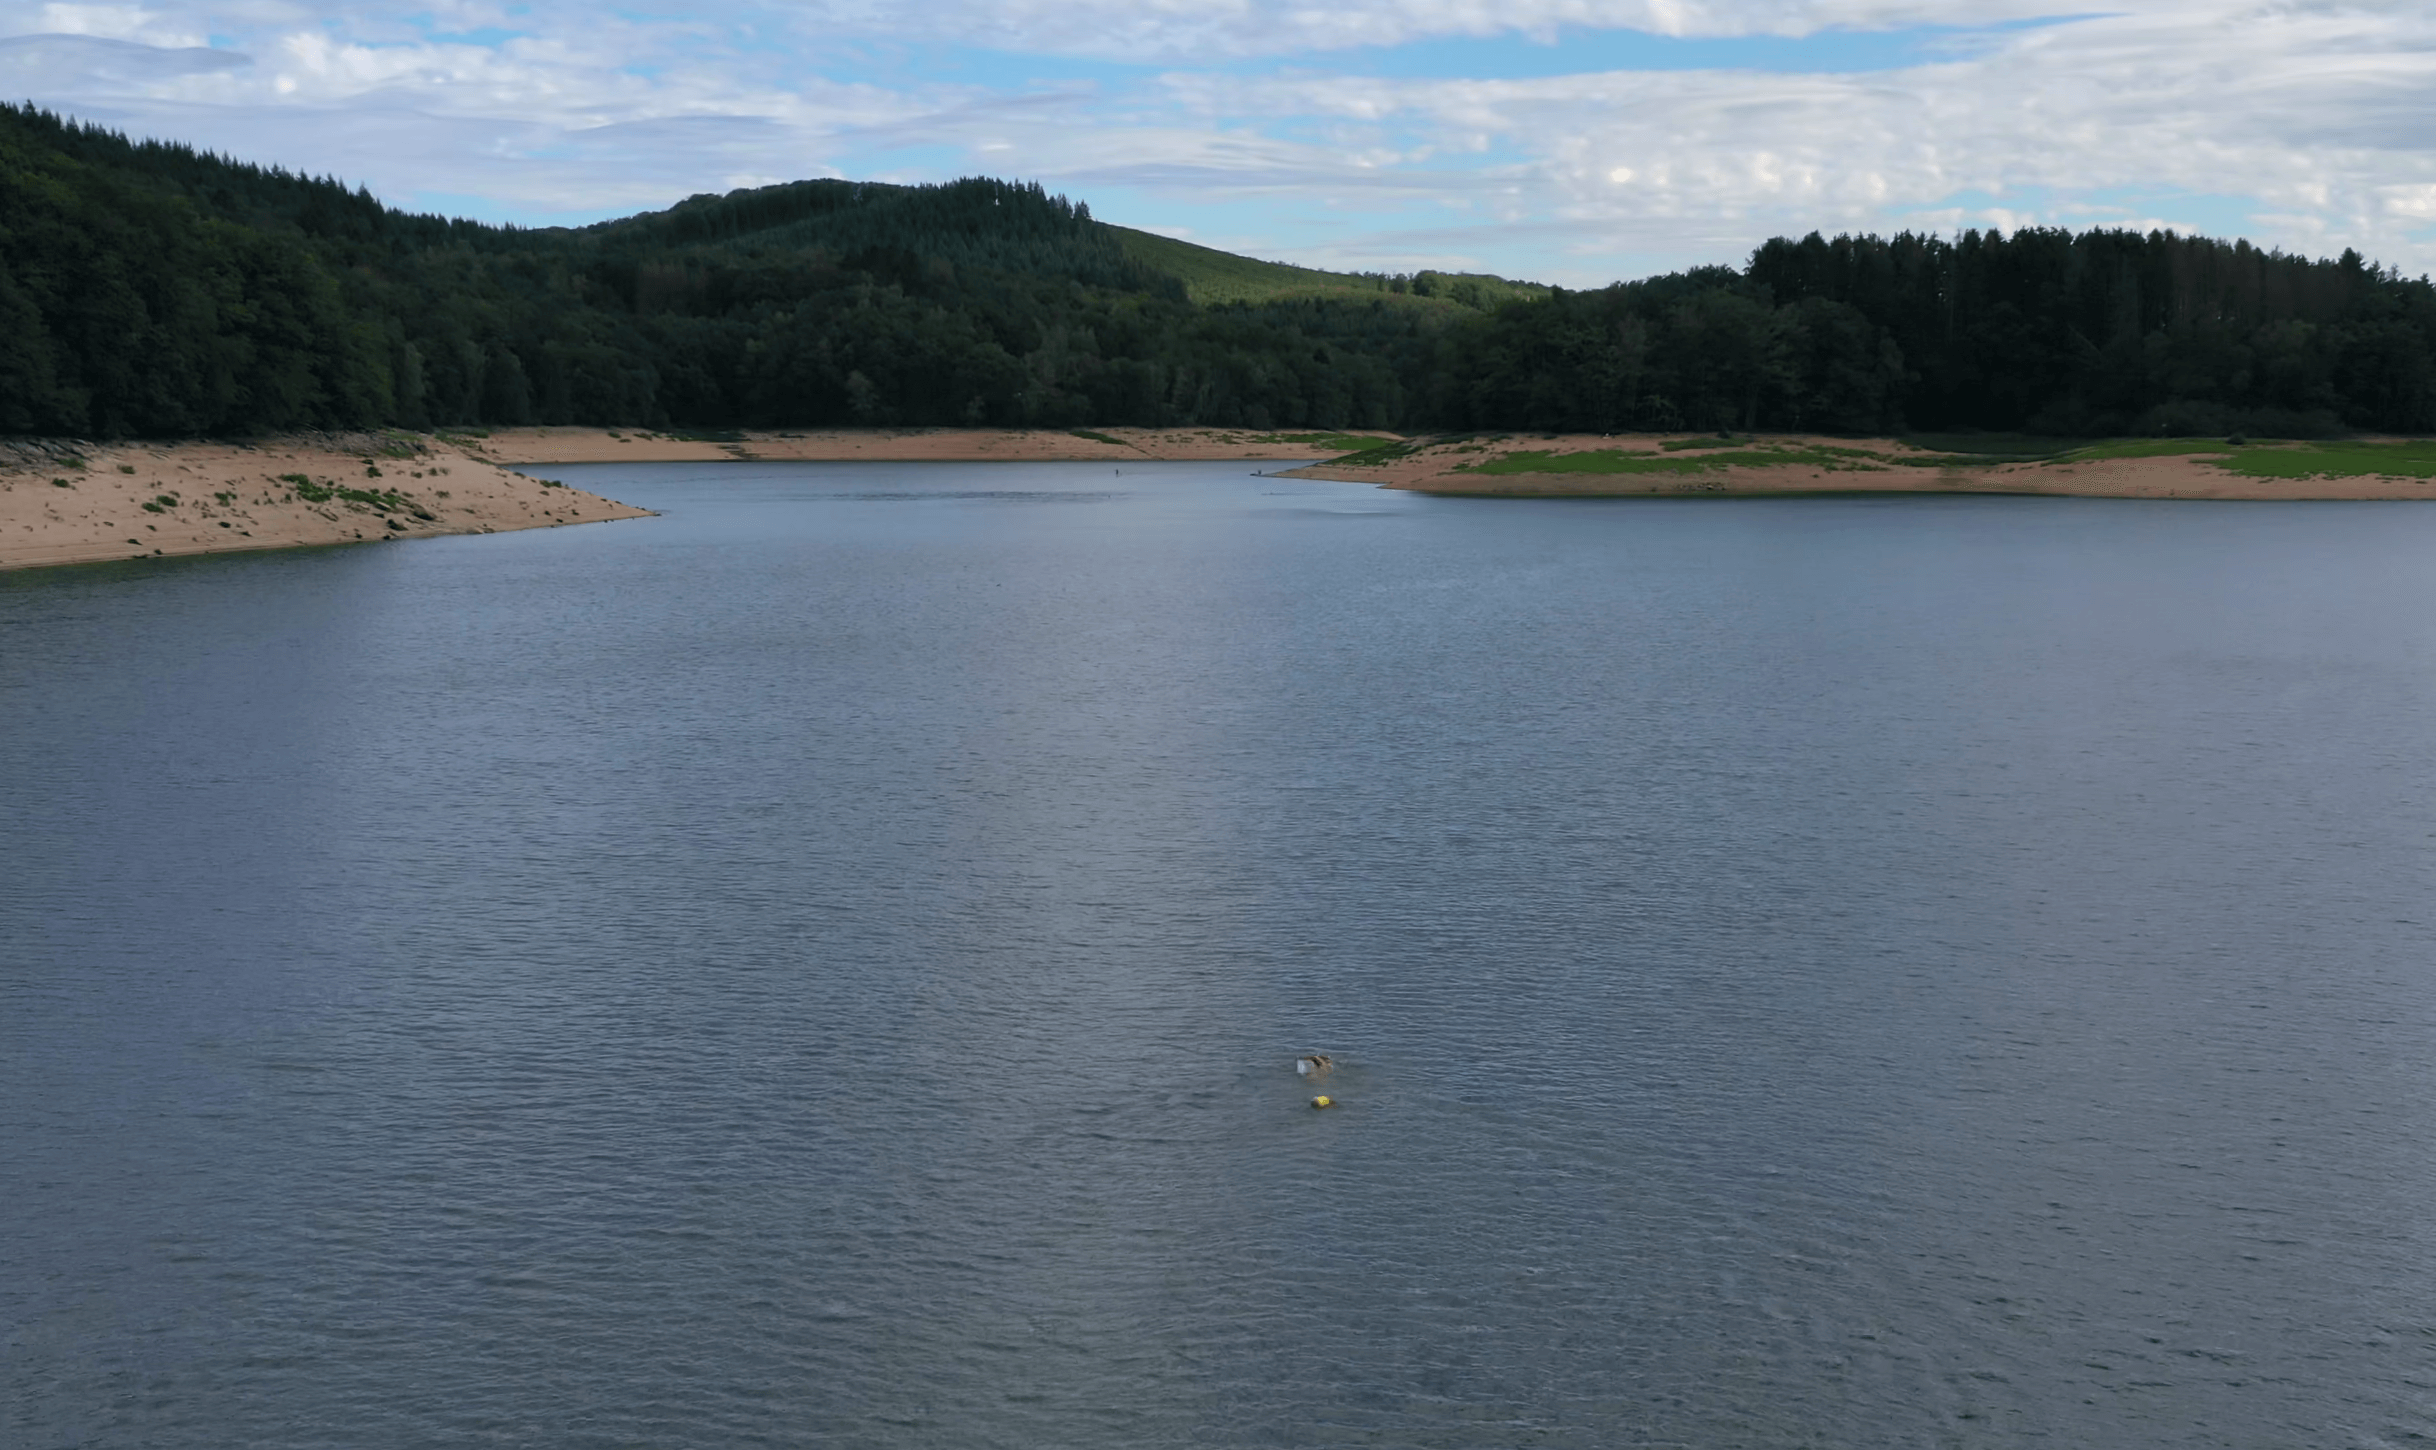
column 1317, row 1065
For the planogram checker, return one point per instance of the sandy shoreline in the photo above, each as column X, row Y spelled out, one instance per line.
column 514, row 446
column 1864, row 465
column 64, row 503
column 69, row 503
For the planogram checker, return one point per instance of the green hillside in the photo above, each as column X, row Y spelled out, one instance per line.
column 1213, row 277
column 150, row 289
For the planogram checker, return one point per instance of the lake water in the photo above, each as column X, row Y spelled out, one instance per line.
column 823, row 967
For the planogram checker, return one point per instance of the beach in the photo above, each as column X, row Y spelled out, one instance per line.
column 511, row 446
column 79, row 503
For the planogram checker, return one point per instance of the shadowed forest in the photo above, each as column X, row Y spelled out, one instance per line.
column 147, row 289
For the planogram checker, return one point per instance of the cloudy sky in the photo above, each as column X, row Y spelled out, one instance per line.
column 1573, row 141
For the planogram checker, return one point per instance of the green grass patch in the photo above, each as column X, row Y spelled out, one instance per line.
column 1089, row 436
column 1617, row 461
column 1826, row 454
column 1212, row 277
column 379, row 500
column 2411, row 458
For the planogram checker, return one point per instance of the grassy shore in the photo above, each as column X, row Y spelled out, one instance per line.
column 1581, row 465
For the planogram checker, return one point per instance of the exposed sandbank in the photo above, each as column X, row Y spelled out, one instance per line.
column 75, row 503
column 906, row 445
column 1537, row 466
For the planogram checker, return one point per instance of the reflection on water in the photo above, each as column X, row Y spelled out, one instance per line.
column 826, row 965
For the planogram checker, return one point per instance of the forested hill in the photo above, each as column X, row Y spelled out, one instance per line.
column 152, row 290
column 148, row 289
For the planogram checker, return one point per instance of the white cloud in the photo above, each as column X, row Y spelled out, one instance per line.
column 2416, row 203
column 2203, row 102
column 29, row 63
column 114, row 22
column 1190, row 30
column 2305, row 124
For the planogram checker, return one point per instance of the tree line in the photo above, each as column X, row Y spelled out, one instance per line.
column 2041, row 331
column 153, row 290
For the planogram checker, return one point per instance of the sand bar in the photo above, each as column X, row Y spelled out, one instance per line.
column 1535, row 466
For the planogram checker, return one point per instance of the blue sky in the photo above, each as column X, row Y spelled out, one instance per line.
column 1573, row 141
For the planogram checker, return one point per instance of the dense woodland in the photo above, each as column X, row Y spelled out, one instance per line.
column 151, row 290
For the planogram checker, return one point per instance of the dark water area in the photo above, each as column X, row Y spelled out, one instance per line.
column 824, row 966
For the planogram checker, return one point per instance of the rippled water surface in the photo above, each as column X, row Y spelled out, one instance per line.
column 823, row 967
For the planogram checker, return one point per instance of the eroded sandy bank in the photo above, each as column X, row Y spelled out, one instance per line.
column 514, row 446
column 66, row 503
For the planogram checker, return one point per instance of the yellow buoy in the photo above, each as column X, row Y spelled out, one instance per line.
column 1323, row 1101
